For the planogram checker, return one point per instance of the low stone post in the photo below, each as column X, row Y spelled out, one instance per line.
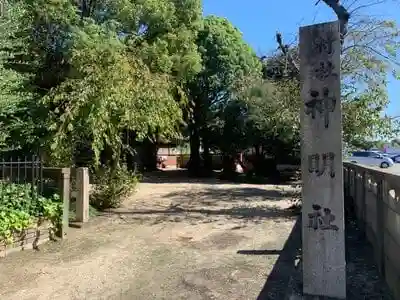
column 82, row 195
column 65, row 183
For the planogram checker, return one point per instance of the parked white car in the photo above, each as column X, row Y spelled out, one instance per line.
column 371, row 158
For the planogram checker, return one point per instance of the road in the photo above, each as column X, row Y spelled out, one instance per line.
column 394, row 170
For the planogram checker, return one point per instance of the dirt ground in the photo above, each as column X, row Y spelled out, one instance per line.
column 172, row 240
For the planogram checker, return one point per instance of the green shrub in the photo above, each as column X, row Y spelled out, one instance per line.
column 93, row 212
column 51, row 209
column 12, row 221
column 111, row 186
column 18, row 197
column 21, row 207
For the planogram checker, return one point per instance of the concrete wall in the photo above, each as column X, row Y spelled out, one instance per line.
column 376, row 199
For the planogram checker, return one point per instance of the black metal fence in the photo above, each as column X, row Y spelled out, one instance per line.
column 26, row 170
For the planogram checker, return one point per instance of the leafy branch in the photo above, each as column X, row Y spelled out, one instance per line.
column 343, row 17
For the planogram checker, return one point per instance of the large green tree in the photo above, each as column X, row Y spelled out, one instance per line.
column 96, row 70
column 369, row 52
column 261, row 117
column 268, row 112
column 227, row 59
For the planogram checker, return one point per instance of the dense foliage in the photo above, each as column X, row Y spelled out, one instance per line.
column 80, row 77
column 121, row 67
column 227, row 60
column 112, row 187
column 369, row 56
column 21, row 207
column 100, row 83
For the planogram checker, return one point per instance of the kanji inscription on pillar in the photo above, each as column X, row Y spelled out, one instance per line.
column 324, row 265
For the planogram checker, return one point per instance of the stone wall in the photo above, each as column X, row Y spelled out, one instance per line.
column 28, row 239
column 375, row 196
column 32, row 237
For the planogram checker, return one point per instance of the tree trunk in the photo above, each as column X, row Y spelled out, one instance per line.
column 148, row 155
column 257, row 161
column 228, row 165
column 194, row 164
column 257, row 148
column 132, row 156
column 208, row 167
column 106, row 156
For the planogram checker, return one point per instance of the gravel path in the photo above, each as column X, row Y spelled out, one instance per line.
column 176, row 240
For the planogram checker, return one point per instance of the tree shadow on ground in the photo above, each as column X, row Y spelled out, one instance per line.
column 178, row 176
column 277, row 282
column 363, row 278
column 210, row 204
column 163, row 176
column 215, row 196
column 201, row 215
column 259, row 252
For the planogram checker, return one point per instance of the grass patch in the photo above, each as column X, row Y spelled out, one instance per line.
column 93, row 212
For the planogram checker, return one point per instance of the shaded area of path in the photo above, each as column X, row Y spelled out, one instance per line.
column 176, row 240
column 277, row 283
column 363, row 278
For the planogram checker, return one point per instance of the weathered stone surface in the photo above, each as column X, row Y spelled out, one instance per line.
column 324, row 266
column 363, row 280
column 82, row 199
column 26, row 240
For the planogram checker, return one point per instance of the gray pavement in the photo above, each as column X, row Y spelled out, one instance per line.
column 394, row 170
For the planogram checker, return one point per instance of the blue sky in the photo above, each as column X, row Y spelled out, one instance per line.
column 259, row 20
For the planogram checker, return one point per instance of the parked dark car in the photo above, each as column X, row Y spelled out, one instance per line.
column 396, row 158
